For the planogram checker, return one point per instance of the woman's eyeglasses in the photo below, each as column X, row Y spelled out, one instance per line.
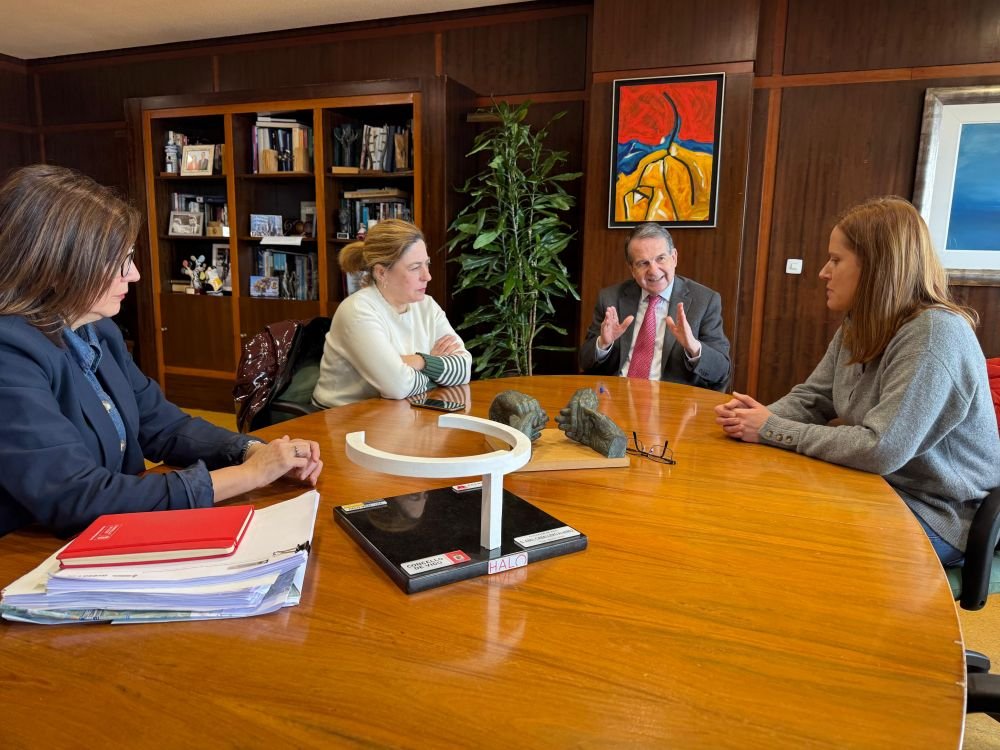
column 659, row 453
column 127, row 263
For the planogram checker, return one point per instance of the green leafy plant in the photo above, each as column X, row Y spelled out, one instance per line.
column 511, row 235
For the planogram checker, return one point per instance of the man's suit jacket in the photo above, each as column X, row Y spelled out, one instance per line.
column 703, row 308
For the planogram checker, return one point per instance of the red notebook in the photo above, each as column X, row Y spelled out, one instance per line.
column 158, row 536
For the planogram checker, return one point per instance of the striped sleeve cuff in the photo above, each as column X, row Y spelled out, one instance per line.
column 421, row 384
column 452, row 369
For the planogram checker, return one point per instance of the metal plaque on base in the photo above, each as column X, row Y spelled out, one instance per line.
column 428, row 539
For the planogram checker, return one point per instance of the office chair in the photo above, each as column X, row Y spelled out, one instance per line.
column 971, row 585
column 278, row 370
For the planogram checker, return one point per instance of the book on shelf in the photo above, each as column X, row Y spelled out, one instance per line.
column 281, row 145
column 385, row 148
column 383, row 192
column 291, row 274
column 361, row 212
column 158, row 536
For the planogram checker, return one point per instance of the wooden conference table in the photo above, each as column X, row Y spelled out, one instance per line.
column 744, row 597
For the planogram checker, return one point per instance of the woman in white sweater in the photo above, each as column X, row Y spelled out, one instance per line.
column 389, row 339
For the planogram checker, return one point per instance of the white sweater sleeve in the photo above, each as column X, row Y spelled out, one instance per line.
column 364, row 337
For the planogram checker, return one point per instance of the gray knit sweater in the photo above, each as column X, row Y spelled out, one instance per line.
column 920, row 415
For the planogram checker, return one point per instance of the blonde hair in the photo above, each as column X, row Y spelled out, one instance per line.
column 63, row 238
column 901, row 275
column 384, row 244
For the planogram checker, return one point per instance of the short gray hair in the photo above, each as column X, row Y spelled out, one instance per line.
column 648, row 229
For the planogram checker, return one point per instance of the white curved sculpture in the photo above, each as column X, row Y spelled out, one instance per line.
column 492, row 466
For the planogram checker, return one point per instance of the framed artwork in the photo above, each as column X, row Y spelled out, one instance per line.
column 198, row 160
column 956, row 188
column 185, row 223
column 666, row 135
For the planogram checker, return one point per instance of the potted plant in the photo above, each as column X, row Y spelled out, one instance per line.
column 510, row 236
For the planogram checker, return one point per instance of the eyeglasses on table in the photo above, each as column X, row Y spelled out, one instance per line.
column 656, row 452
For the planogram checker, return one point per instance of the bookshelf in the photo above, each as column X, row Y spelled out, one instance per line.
column 282, row 167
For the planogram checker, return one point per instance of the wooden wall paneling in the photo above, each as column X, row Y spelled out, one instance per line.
column 709, row 256
column 656, row 34
column 526, row 56
column 446, row 138
column 836, row 150
column 868, row 34
column 329, row 62
column 14, row 88
column 986, row 301
column 213, row 394
column 740, row 338
column 15, row 150
column 95, row 93
column 101, row 153
column 767, row 22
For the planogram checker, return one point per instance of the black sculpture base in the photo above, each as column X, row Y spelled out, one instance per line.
column 428, row 539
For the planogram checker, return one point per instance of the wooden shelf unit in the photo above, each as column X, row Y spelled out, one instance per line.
column 192, row 343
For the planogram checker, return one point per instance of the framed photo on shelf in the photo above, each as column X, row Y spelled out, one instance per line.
column 266, row 225
column 956, row 188
column 666, row 138
column 220, row 262
column 264, row 286
column 198, row 160
column 307, row 213
column 185, row 224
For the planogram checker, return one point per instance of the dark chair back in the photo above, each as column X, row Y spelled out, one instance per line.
column 277, row 371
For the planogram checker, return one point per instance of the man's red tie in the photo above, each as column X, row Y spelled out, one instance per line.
column 645, row 342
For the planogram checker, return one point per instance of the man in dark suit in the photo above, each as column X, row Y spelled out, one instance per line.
column 682, row 341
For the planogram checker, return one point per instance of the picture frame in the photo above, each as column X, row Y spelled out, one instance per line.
column 956, row 189
column 197, row 160
column 185, row 224
column 666, row 141
column 264, row 286
column 307, row 214
column 220, row 262
column 266, row 225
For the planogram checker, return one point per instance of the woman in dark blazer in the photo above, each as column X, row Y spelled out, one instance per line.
column 78, row 415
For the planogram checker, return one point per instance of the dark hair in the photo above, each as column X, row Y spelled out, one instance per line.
column 648, row 229
column 63, row 238
column 901, row 274
column 383, row 245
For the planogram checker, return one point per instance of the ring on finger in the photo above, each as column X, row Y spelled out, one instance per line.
column 296, row 451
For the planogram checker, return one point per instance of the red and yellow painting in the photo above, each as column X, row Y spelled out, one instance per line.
column 665, row 150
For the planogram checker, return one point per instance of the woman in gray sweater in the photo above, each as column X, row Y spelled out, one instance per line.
column 902, row 390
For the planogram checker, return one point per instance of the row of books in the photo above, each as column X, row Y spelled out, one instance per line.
column 164, row 566
column 281, row 144
column 378, row 148
column 284, row 274
column 361, row 208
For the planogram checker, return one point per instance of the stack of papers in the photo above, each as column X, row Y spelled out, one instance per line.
column 263, row 575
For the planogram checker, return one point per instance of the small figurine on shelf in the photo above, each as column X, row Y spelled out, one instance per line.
column 345, row 135
column 195, row 270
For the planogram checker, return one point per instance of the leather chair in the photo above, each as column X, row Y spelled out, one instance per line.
column 278, row 370
column 971, row 585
